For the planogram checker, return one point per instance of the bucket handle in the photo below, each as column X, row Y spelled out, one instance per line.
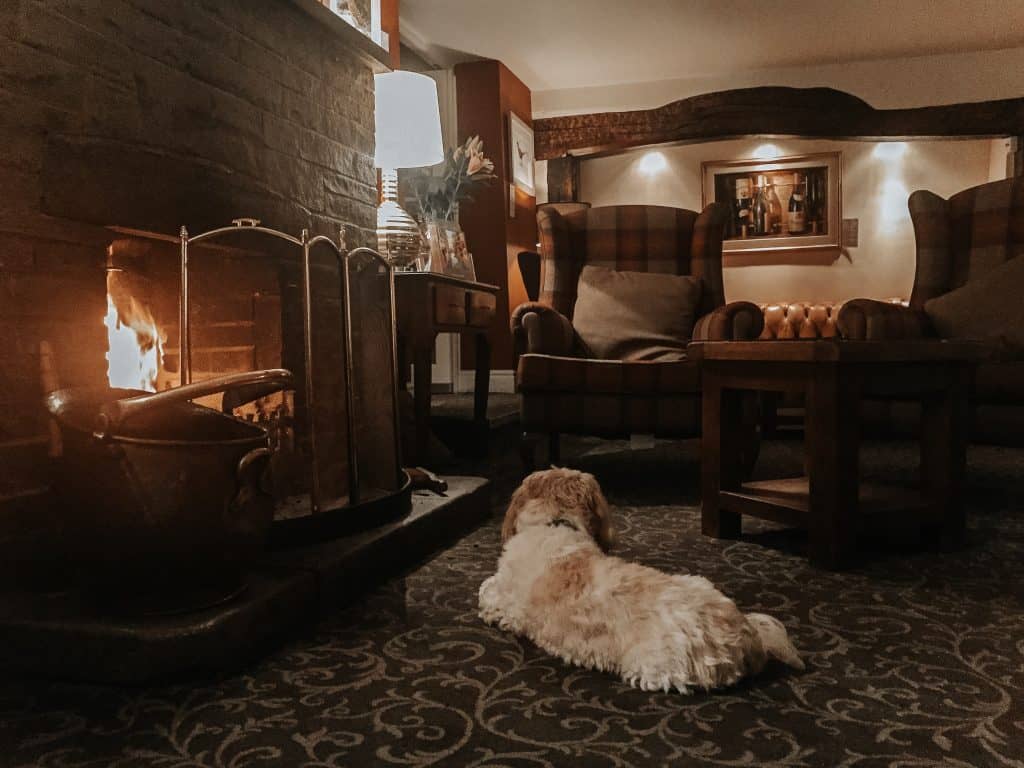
column 115, row 413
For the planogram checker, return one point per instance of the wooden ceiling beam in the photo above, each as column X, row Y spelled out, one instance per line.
column 771, row 111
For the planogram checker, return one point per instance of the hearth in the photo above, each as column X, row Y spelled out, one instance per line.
column 254, row 299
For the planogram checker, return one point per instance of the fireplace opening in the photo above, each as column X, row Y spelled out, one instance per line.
column 244, row 317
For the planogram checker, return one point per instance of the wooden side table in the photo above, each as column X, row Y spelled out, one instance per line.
column 426, row 304
column 831, row 502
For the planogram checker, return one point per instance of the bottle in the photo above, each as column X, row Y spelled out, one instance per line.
column 813, row 214
column 776, row 210
column 797, row 219
column 742, row 217
column 762, row 224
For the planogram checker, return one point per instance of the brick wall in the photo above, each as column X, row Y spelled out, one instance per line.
column 150, row 114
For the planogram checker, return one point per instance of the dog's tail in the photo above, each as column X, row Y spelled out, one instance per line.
column 775, row 640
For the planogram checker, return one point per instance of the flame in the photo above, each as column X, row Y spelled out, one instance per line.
column 136, row 346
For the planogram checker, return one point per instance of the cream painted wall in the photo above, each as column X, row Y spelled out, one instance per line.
column 999, row 149
column 875, row 191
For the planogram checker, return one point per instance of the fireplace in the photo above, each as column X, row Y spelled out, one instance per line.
column 245, row 107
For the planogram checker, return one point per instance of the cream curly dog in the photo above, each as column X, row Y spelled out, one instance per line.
column 658, row 631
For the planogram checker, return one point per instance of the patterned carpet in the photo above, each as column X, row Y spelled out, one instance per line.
column 914, row 659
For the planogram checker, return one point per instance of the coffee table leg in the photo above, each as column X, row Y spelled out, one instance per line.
column 832, row 437
column 423, row 353
column 720, row 455
column 944, row 420
column 481, row 378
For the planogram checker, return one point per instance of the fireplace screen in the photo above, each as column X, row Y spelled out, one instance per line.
column 247, row 297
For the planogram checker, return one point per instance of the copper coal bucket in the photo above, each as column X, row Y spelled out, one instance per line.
column 167, row 501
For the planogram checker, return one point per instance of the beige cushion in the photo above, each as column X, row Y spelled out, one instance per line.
column 635, row 315
column 990, row 307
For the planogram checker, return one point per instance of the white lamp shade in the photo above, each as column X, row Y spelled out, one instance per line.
column 408, row 121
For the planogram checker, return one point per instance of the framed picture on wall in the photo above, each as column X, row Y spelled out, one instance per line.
column 787, row 203
column 520, row 146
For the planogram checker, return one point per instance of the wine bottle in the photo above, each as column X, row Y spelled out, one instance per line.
column 797, row 222
column 813, row 204
column 762, row 224
column 776, row 210
column 742, row 218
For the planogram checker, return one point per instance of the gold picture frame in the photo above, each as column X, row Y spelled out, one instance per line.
column 817, row 176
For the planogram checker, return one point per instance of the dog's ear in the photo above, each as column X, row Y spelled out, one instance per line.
column 600, row 523
column 515, row 506
column 606, row 537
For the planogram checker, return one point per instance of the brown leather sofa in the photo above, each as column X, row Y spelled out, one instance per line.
column 563, row 391
column 957, row 240
column 799, row 320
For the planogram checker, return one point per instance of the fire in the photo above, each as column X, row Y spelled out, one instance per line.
column 135, row 346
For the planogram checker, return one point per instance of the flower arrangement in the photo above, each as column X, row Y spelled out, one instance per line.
column 465, row 170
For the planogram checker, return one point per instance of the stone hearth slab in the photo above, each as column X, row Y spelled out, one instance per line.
column 55, row 636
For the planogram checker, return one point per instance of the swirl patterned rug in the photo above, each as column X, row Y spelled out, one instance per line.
column 914, row 659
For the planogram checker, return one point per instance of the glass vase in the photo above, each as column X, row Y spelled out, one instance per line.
column 440, row 240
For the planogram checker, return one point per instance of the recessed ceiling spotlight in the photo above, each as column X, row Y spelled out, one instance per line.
column 890, row 150
column 652, row 163
column 767, row 152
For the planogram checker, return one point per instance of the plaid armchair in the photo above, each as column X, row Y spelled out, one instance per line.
column 561, row 391
column 958, row 240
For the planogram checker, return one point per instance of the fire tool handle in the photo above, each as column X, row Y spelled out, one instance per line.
column 114, row 414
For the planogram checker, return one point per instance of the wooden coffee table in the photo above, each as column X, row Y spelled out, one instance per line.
column 831, row 502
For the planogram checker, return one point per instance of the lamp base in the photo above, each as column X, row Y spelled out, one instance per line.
column 398, row 234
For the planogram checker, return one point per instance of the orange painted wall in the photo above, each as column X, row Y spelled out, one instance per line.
column 486, row 92
column 389, row 24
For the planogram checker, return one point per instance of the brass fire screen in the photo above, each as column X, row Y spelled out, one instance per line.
column 336, row 443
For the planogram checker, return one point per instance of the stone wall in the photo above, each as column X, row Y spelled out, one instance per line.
column 149, row 114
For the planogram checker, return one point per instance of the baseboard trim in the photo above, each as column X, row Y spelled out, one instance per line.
column 501, row 381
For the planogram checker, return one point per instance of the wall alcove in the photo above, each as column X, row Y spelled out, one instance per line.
column 886, row 154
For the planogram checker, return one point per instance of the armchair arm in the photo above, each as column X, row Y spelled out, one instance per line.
column 871, row 320
column 538, row 328
column 735, row 321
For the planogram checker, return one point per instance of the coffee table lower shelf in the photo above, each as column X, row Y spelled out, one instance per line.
column 788, row 501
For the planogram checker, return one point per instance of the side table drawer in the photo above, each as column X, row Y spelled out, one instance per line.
column 481, row 308
column 449, row 305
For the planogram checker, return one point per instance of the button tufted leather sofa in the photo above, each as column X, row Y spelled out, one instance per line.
column 799, row 320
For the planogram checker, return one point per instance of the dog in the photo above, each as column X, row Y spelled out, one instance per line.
column 557, row 585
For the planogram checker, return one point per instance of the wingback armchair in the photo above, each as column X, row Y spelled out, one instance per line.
column 959, row 241
column 564, row 391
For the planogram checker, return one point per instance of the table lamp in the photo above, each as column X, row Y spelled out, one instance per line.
column 408, row 134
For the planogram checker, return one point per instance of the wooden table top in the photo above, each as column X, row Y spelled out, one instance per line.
column 438, row 278
column 840, row 351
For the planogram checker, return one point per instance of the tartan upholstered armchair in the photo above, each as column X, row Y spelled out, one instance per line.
column 958, row 239
column 962, row 242
column 563, row 391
